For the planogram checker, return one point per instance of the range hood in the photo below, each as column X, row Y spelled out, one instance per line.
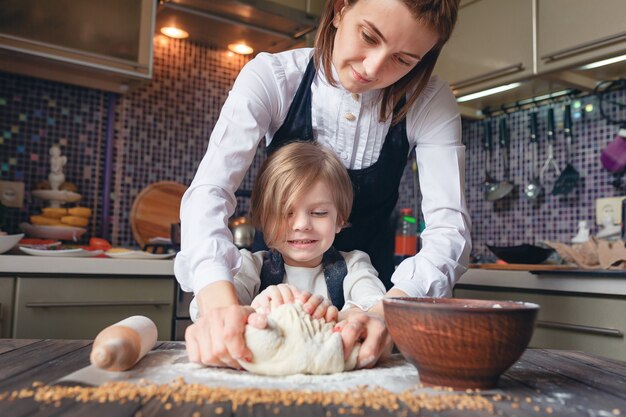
column 264, row 25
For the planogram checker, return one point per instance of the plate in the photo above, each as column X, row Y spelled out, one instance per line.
column 77, row 252
column 53, row 232
column 57, row 195
column 139, row 254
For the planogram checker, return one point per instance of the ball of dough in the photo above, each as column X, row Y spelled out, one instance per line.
column 295, row 343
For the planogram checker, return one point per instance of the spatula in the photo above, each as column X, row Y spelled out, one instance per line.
column 569, row 177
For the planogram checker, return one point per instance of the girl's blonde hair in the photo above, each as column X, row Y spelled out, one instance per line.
column 287, row 175
column 439, row 15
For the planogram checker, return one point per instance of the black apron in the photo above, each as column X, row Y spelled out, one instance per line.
column 375, row 187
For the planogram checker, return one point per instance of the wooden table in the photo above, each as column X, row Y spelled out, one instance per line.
column 541, row 383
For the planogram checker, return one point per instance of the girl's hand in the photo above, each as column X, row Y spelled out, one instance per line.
column 275, row 295
column 357, row 325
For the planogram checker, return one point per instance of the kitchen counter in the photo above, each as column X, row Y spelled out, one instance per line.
column 28, row 264
column 542, row 382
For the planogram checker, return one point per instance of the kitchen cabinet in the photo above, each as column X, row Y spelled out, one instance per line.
column 102, row 45
column 492, row 44
column 79, row 307
column 313, row 7
column 7, row 285
column 591, row 323
column 539, row 43
column 575, row 32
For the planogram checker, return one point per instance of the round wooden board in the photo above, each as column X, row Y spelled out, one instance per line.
column 154, row 210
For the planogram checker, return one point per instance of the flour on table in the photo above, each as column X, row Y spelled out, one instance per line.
column 164, row 366
column 295, row 343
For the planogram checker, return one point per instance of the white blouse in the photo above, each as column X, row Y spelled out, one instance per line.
column 347, row 123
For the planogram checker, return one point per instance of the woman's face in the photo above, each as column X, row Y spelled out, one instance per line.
column 377, row 43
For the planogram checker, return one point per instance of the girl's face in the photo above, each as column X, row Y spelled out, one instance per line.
column 377, row 43
column 309, row 229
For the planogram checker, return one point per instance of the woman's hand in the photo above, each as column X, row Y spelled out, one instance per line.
column 357, row 325
column 217, row 336
column 273, row 296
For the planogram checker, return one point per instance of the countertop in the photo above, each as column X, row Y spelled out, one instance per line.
column 29, row 264
column 541, row 383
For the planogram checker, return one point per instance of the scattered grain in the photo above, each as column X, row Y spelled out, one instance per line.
column 616, row 412
column 549, row 410
column 178, row 392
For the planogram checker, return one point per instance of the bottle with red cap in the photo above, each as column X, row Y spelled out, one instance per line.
column 406, row 236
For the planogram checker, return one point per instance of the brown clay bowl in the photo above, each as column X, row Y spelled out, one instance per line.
column 460, row 343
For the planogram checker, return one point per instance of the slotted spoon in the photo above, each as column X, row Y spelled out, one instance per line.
column 567, row 181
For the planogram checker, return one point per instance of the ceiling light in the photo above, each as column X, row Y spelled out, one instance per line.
column 240, row 48
column 603, row 62
column 488, row 92
column 174, row 32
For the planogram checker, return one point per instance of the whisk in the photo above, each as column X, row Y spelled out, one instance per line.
column 550, row 162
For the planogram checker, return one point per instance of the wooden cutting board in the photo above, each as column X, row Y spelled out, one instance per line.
column 523, row 267
column 154, row 210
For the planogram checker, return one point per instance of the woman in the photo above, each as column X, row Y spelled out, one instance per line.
column 365, row 91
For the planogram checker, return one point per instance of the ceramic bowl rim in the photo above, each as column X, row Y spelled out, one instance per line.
column 458, row 304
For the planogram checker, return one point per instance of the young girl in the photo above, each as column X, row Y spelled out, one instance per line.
column 365, row 92
column 301, row 199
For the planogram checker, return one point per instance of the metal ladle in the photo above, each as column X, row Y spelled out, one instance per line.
column 489, row 183
column 550, row 162
column 505, row 186
column 533, row 189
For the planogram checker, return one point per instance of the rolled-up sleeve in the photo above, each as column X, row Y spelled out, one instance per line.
column 446, row 242
column 361, row 286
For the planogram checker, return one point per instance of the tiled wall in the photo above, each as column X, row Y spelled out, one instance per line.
column 162, row 131
column 514, row 219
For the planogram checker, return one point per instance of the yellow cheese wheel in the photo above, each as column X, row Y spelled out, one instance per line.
column 40, row 220
column 54, row 212
column 80, row 211
column 75, row 221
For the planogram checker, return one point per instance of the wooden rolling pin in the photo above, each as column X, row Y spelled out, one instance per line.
column 121, row 345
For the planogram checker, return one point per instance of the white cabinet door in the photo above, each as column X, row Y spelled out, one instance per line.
column 576, row 32
column 491, row 45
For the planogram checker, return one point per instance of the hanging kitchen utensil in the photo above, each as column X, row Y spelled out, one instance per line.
column 505, row 186
column 550, row 163
column 533, row 188
column 489, row 184
column 569, row 177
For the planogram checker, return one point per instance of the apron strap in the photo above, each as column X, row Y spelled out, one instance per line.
column 333, row 264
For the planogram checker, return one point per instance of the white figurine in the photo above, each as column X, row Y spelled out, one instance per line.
column 57, row 162
column 583, row 232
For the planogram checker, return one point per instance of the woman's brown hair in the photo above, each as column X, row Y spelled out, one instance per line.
column 439, row 15
column 287, row 174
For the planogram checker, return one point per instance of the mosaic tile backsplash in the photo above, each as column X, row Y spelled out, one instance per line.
column 162, row 130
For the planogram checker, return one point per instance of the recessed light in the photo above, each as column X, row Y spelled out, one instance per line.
column 240, row 48
column 174, row 32
column 488, row 92
column 603, row 62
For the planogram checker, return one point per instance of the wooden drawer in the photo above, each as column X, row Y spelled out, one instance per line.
column 7, row 285
column 590, row 323
column 78, row 308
